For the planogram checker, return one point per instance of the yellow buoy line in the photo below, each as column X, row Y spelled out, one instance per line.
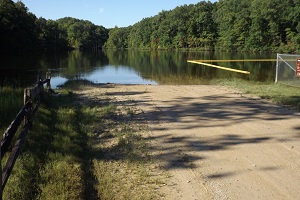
column 217, row 66
column 246, row 60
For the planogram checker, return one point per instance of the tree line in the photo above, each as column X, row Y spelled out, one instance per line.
column 230, row 25
column 227, row 25
column 22, row 32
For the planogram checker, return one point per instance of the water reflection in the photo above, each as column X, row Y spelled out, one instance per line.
column 133, row 67
column 57, row 81
column 119, row 75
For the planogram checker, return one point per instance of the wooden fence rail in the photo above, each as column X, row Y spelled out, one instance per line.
column 32, row 100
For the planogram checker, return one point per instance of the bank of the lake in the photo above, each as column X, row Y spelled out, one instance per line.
column 74, row 128
column 11, row 98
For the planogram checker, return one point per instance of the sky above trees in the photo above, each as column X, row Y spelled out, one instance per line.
column 109, row 13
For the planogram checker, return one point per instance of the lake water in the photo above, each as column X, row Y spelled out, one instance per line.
column 133, row 67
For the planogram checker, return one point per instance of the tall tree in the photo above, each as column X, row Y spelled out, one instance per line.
column 51, row 37
column 83, row 34
column 118, row 38
column 17, row 27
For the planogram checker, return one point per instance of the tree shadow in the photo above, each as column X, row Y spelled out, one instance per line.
column 234, row 173
column 188, row 146
column 221, row 110
column 209, row 111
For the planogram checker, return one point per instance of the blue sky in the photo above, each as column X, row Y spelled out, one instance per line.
column 108, row 13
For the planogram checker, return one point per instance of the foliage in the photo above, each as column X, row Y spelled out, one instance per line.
column 11, row 101
column 17, row 27
column 83, row 34
column 118, row 38
column 188, row 26
column 22, row 32
column 230, row 25
column 51, row 37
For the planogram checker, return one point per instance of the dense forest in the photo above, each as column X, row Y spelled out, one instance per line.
column 21, row 31
column 227, row 25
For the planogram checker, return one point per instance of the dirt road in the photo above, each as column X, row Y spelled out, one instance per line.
column 217, row 143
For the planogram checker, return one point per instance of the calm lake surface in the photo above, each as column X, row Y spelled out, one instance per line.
column 132, row 67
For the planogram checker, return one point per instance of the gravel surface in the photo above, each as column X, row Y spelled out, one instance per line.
column 215, row 142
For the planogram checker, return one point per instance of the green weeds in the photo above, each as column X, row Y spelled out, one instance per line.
column 277, row 93
column 79, row 149
column 55, row 147
column 76, row 84
column 11, row 101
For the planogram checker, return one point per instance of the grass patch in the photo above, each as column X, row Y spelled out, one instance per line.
column 82, row 149
column 75, row 84
column 122, row 180
column 121, row 164
column 61, row 179
column 11, row 102
column 55, row 147
column 277, row 93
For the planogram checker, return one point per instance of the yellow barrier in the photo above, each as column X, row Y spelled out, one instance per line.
column 247, row 60
column 219, row 67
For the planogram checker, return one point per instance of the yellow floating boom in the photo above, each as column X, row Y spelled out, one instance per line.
column 219, row 67
column 247, row 60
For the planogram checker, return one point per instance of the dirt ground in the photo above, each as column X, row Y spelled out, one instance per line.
column 215, row 142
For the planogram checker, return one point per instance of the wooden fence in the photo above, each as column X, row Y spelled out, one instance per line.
column 32, row 100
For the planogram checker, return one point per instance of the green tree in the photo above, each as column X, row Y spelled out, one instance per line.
column 17, row 28
column 22, row 32
column 51, row 37
column 83, row 34
column 187, row 26
column 118, row 38
column 233, row 21
column 140, row 34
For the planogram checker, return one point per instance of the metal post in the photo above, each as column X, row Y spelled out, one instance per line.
column 277, row 66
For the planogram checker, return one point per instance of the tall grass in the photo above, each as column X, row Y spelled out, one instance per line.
column 79, row 149
column 277, row 93
column 11, row 101
column 50, row 165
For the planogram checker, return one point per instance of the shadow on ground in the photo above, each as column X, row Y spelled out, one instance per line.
column 206, row 112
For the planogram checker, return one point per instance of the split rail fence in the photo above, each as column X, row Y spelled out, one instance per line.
column 32, row 100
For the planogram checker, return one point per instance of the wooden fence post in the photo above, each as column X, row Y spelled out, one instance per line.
column 0, row 175
column 31, row 95
column 48, row 78
column 25, row 96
